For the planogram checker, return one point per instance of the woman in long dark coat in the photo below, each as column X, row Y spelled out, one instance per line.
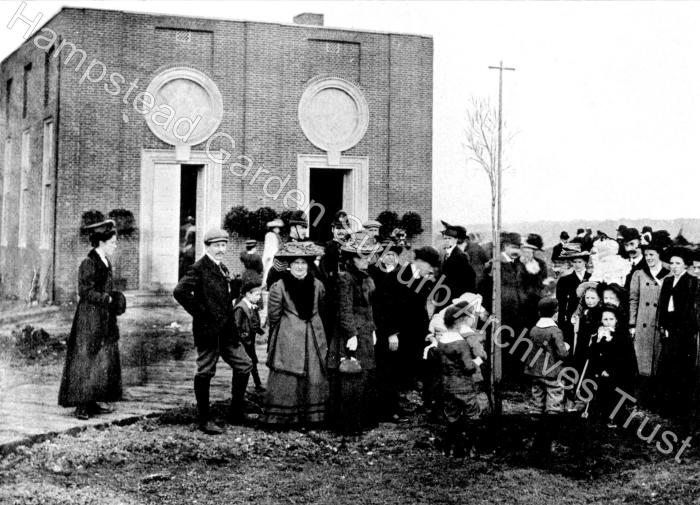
column 678, row 324
column 92, row 371
column 352, row 405
column 297, row 387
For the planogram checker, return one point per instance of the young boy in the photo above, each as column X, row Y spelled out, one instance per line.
column 459, row 361
column 547, row 361
column 247, row 319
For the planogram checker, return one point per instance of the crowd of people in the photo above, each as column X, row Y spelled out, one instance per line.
column 354, row 323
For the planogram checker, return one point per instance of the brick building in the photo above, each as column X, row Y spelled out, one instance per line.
column 170, row 116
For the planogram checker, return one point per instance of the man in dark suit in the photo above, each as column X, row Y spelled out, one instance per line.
column 566, row 292
column 632, row 242
column 205, row 292
column 459, row 276
column 558, row 249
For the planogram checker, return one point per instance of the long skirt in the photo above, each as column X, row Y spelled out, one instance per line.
column 353, row 402
column 90, row 375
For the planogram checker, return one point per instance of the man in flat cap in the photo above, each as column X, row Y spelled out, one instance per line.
column 205, row 292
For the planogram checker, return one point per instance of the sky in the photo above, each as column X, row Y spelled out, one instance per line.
column 603, row 106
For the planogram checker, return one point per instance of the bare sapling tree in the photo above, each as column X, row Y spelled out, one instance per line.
column 482, row 148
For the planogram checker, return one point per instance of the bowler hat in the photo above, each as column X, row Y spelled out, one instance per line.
column 215, row 235
column 510, row 238
column 428, row 254
column 629, row 234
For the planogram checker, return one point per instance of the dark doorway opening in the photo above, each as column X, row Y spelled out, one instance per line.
column 188, row 213
column 326, row 189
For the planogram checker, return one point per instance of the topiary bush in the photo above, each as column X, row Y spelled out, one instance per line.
column 125, row 222
column 412, row 223
column 257, row 222
column 390, row 221
column 237, row 221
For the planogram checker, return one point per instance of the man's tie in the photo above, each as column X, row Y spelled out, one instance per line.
column 224, row 270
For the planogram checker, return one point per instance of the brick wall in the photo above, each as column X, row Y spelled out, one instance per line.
column 261, row 70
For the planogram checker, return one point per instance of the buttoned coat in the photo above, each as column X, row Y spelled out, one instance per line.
column 644, row 300
column 206, row 294
column 291, row 337
column 92, row 370
column 355, row 296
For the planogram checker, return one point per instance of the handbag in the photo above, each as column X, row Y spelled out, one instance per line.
column 349, row 366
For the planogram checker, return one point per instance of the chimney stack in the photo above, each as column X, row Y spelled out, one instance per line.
column 309, row 18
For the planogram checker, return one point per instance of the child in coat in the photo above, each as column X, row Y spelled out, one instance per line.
column 611, row 364
column 460, row 360
column 247, row 319
column 548, row 354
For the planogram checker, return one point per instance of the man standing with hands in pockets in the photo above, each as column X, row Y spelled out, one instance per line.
column 205, row 292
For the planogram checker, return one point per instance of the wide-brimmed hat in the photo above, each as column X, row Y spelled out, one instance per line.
column 306, row 249
column 574, row 255
column 660, row 241
column 215, row 235
column 685, row 253
column 297, row 221
column 534, row 242
column 101, row 227
column 275, row 223
column 360, row 244
column 428, row 254
column 585, row 286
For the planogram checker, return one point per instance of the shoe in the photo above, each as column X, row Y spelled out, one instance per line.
column 81, row 413
column 210, row 428
column 241, row 418
column 97, row 409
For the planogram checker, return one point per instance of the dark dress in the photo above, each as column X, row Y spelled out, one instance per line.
column 676, row 371
column 92, row 372
column 615, row 357
column 355, row 294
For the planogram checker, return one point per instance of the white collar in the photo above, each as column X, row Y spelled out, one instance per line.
column 506, row 258
column 449, row 250
column 447, row 337
column 216, row 262
column 636, row 261
column 580, row 274
column 102, row 256
column 546, row 322
column 415, row 271
column 250, row 305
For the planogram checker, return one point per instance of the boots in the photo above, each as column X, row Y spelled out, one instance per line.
column 201, row 393
column 236, row 414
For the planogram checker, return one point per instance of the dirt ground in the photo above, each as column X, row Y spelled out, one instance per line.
column 165, row 460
